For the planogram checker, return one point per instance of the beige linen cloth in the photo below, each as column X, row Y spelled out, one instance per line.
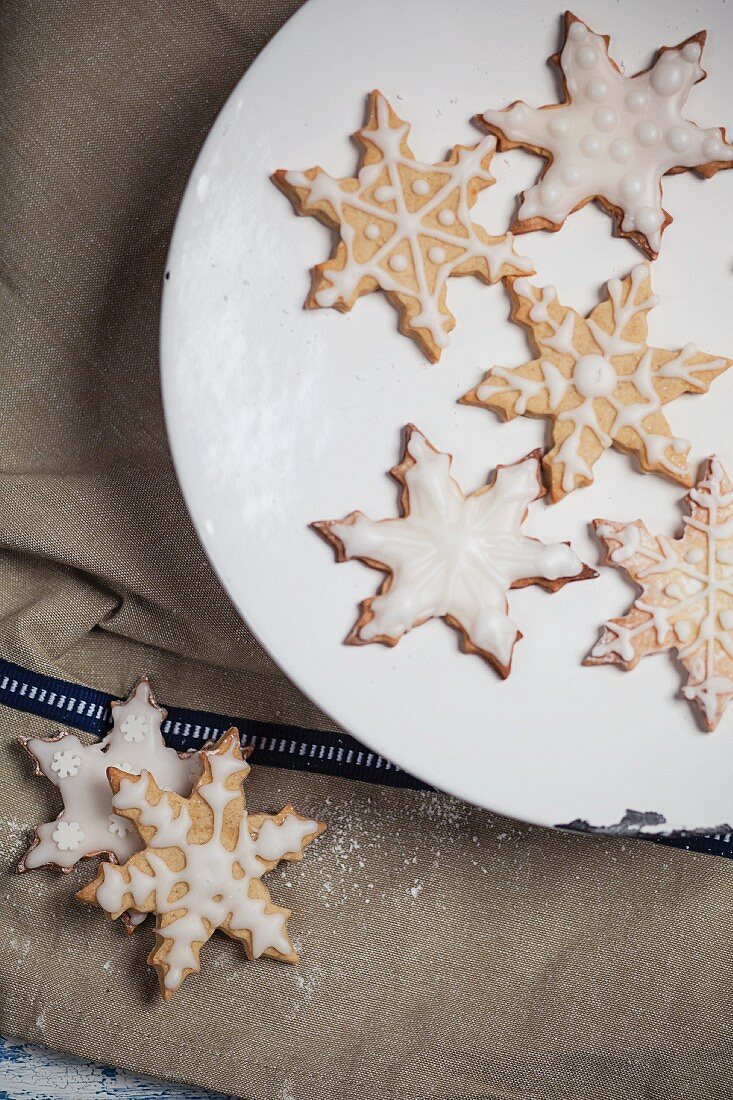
column 445, row 952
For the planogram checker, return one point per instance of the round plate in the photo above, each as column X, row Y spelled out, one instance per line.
column 279, row 416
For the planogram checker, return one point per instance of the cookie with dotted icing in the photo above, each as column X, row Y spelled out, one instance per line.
column 88, row 825
column 686, row 599
column 452, row 556
column 403, row 227
column 613, row 137
column 598, row 381
column 201, row 864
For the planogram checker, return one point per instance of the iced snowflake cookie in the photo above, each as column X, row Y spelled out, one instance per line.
column 453, row 556
column 404, row 227
column 686, row 601
column 202, row 864
column 599, row 382
column 88, row 825
column 613, row 137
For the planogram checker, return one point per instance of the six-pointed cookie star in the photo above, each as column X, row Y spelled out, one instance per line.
column 87, row 825
column 202, row 863
column 613, row 137
column 686, row 600
column 599, row 381
column 452, row 556
column 404, row 227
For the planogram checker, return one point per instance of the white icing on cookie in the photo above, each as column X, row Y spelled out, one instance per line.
column 212, row 889
column 80, row 773
column 617, row 386
column 453, row 556
column 687, row 594
column 441, row 224
column 615, row 136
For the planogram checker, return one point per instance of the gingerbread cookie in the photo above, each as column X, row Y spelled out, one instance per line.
column 686, row 601
column 599, row 382
column 87, row 825
column 201, row 864
column 612, row 138
column 404, row 227
column 452, row 556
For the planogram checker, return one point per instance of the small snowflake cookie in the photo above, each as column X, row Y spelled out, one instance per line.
column 686, row 601
column 613, row 137
column 86, row 826
column 453, row 556
column 599, row 382
column 201, row 864
column 404, row 227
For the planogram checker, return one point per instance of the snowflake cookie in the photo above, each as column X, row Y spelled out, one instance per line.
column 453, row 556
column 613, row 137
column 686, row 602
column 404, row 227
column 86, row 826
column 201, row 864
column 599, row 382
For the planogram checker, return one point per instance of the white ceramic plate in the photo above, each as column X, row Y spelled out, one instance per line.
column 278, row 416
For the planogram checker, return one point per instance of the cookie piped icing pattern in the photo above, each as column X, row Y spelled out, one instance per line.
column 88, row 824
column 201, row 865
column 686, row 602
column 404, row 227
column 614, row 137
column 599, row 381
column 453, row 556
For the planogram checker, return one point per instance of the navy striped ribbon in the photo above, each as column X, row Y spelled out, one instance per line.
column 276, row 745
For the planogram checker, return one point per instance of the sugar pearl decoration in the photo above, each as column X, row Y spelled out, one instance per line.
column 559, row 126
column 420, row 187
column 550, row 194
column 372, row 231
column 384, row 194
column 647, row 220
column 571, row 175
column 636, row 101
column 587, row 57
column 591, row 146
column 667, row 76
column 605, row 119
column 597, row 90
column 678, row 139
column 621, row 150
column 398, row 262
column 647, row 133
column 446, row 217
column 714, row 149
column 436, row 255
column 632, row 186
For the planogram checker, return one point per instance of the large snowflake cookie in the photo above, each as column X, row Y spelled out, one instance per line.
column 88, row 825
column 686, row 601
column 403, row 227
column 453, row 556
column 613, row 137
column 599, row 382
column 202, row 864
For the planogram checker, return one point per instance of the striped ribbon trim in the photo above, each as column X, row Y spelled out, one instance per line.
column 276, row 745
